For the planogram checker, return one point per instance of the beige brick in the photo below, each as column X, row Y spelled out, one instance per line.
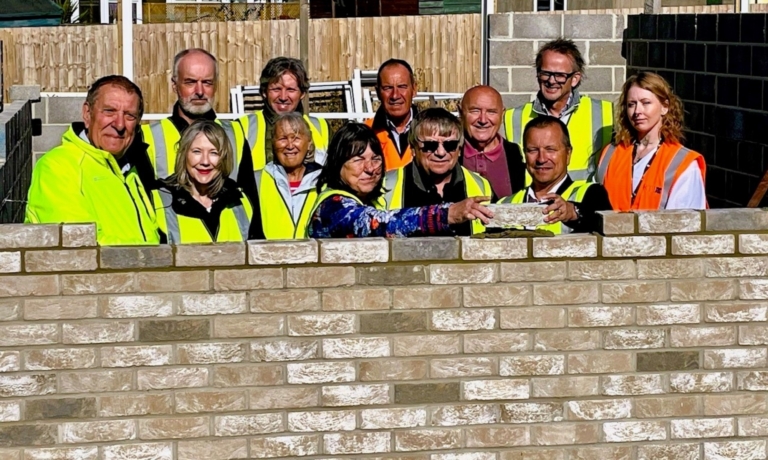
column 466, row 456
column 531, row 412
column 177, row 377
column 213, row 304
column 504, row 436
column 533, row 271
column 497, row 342
column 247, row 279
column 10, row 262
column 565, row 293
column 159, row 355
column 339, row 420
column 427, row 439
column 137, row 257
column 702, row 290
column 623, row 339
column 753, row 426
column 600, row 316
column 617, row 223
column 463, row 274
column 174, row 330
column 668, row 221
column 326, row 324
column 20, row 435
column 356, row 299
column 10, row 361
column 391, row 275
column 356, row 443
column 461, row 367
column 377, row 419
column 367, row 347
column 356, row 395
column 462, row 320
column 634, row 246
column 61, row 453
column 426, row 393
column 320, row 277
column 99, row 431
column 640, row 384
column 532, row 365
column 736, row 267
column 653, row 315
column 735, row 450
column 702, row 428
column 393, row 369
column 285, row 301
column 735, row 358
column 598, row 270
column 566, row 246
column 738, row 404
column 248, row 326
column 670, row 268
column 535, row 454
column 101, row 283
column 321, row 372
column 668, row 452
column 701, row 382
column 753, row 244
column 10, row 411
column 640, row 291
column 612, row 452
column 262, row 252
column 354, row 251
column 59, row 358
column 753, row 335
column 78, row 235
column 28, row 334
column 60, row 260
column 198, row 280
column 564, row 434
column 667, row 406
column 284, row 350
column 29, row 285
column 174, row 428
column 10, row 310
column 493, row 249
column 248, row 425
column 426, row 297
column 634, row 431
column 210, row 255
column 689, row 245
column 285, row 446
column 683, row 336
column 284, row 398
column 532, row 318
column 248, row 375
column 489, row 390
column 600, row 362
column 497, row 296
column 418, row 345
column 147, row 306
column 564, row 387
column 224, row 449
column 128, row 405
column 566, row 340
column 95, row 381
column 749, row 289
column 28, row 236
column 606, row 409
column 98, row 332
column 465, row 414
column 736, row 312
column 211, row 353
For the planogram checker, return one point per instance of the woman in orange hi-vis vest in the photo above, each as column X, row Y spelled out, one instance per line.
column 647, row 168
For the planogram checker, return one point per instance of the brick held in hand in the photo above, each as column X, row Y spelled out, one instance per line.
column 508, row 215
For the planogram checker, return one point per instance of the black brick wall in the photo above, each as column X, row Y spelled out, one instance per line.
column 718, row 65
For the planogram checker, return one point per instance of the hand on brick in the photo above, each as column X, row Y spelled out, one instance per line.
column 469, row 209
column 559, row 211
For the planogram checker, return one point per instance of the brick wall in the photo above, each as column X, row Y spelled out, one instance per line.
column 717, row 65
column 647, row 343
column 516, row 37
column 15, row 159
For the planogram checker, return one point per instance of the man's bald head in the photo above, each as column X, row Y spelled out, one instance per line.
column 481, row 111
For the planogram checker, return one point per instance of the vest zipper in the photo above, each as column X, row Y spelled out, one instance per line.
column 135, row 206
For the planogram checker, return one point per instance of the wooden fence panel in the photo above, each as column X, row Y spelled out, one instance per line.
column 443, row 50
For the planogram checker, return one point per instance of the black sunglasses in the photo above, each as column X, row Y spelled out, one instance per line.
column 560, row 77
column 431, row 146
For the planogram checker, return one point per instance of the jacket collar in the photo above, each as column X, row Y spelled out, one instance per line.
column 424, row 183
column 104, row 158
column 380, row 120
column 308, row 182
column 573, row 104
column 180, row 123
column 229, row 195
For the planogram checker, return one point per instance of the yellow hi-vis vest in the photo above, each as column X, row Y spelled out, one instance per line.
column 276, row 218
column 590, row 128
column 163, row 140
column 255, row 128
column 574, row 193
column 394, row 184
column 234, row 223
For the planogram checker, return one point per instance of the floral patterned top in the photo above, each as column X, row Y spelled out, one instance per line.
column 342, row 217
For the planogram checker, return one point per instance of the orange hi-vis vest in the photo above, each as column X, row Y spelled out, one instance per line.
column 615, row 173
column 392, row 158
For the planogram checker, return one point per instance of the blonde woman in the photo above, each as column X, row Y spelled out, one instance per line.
column 648, row 168
column 200, row 203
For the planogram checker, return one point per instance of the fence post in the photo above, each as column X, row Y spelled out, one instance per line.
column 304, row 44
column 652, row 7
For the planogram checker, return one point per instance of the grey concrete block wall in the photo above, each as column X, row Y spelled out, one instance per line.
column 56, row 113
column 516, row 37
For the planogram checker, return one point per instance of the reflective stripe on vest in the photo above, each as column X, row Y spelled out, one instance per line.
column 604, row 162
column 172, row 225
column 670, row 173
column 277, row 219
column 161, row 151
column 392, row 193
column 230, row 131
column 171, row 219
column 243, row 222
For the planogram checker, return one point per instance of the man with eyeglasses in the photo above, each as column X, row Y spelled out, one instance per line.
column 559, row 71
column 435, row 175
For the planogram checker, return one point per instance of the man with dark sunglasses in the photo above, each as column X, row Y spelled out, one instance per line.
column 559, row 72
column 435, row 175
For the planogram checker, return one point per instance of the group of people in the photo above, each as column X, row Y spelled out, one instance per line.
column 277, row 174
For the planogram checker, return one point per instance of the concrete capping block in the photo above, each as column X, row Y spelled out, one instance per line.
column 736, row 219
column 434, row 248
column 263, row 252
column 210, row 255
column 78, row 235
column 29, row 236
column 137, row 257
column 617, row 223
column 351, row 251
column 669, row 221
column 494, row 248
column 24, row 93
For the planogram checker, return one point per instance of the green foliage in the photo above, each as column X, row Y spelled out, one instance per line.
column 68, row 8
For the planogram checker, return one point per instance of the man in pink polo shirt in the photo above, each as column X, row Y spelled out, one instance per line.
column 485, row 151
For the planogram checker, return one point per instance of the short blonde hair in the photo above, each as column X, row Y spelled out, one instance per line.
column 218, row 137
column 299, row 125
